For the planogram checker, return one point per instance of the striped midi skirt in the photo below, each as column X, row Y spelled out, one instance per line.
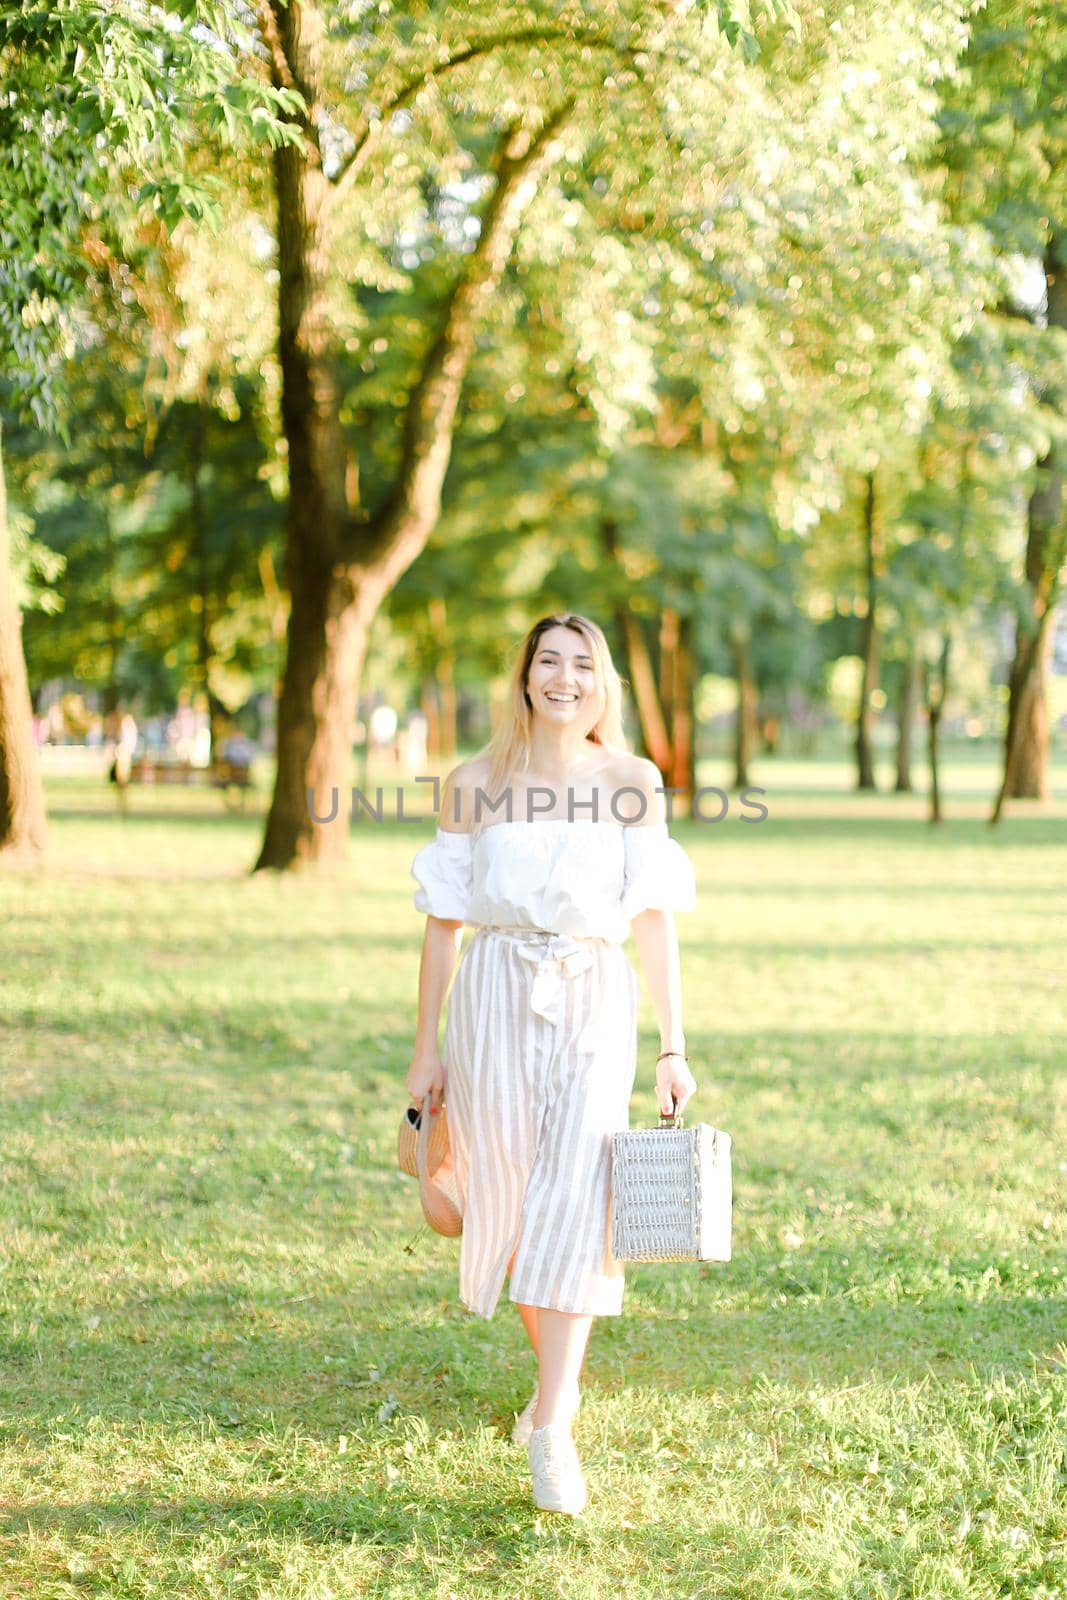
column 539, row 1059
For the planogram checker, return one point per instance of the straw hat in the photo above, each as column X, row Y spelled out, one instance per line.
column 422, row 1146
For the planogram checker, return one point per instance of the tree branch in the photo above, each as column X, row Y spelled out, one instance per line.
column 292, row 58
column 400, row 528
column 280, row 71
column 369, row 131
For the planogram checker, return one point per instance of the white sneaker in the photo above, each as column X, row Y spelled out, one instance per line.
column 520, row 1433
column 558, row 1484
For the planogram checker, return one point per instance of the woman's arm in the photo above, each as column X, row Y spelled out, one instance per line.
column 657, row 947
column 440, row 949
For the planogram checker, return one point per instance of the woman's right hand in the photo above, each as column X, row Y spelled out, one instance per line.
column 426, row 1076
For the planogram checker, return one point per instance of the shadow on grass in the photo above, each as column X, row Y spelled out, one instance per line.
column 231, row 1038
column 435, row 1363
column 378, row 1518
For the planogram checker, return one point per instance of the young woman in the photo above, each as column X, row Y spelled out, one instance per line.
column 553, row 843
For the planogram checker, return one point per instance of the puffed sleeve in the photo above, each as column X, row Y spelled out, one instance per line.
column 444, row 873
column 658, row 874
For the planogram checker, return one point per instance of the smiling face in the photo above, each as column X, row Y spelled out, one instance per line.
column 561, row 681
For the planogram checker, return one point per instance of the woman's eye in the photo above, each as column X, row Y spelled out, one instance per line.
column 578, row 667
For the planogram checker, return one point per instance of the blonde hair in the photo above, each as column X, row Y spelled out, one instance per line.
column 508, row 750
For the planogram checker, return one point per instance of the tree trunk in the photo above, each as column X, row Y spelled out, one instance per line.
column 116, row 632
column 1028, row 707
column 906, row 707
column 429, row 705
column 1030, row 688
column 668, row 644
column 23, row 829
column 650, row 718
column 445, row 679
column 205, row 590
column 313, row 727
column 1026, row 741
column 936, row 691
column 682, row 769
column 340, row 568
column 746, row 725
column 869, row 651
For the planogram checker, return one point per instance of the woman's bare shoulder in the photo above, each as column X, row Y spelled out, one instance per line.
column 457, row 794
column 640, row 777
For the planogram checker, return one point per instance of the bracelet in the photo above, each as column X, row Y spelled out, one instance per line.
column 663, row 1053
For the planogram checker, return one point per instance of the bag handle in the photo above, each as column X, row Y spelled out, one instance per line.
column 672, row 1118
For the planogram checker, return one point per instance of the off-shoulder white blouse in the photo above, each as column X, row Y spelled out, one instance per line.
column 584, row 878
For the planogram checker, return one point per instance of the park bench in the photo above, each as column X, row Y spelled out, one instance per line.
column 147, row 769
column 222, row 775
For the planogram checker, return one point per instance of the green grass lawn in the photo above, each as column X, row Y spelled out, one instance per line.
column 222, row 1373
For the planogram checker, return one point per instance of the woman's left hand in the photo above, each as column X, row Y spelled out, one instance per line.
column 673, row 1077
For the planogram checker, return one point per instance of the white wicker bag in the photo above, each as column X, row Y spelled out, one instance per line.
column 671, row 1193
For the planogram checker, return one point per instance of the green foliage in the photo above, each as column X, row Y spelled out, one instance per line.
column 752, row 276
column 35, row 567
column 157, row 547
column 96, row 96
column 1004, row 131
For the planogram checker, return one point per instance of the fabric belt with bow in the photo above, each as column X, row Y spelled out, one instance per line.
column 555, row 955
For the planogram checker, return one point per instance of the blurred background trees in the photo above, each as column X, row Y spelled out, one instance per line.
column 742, row 333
